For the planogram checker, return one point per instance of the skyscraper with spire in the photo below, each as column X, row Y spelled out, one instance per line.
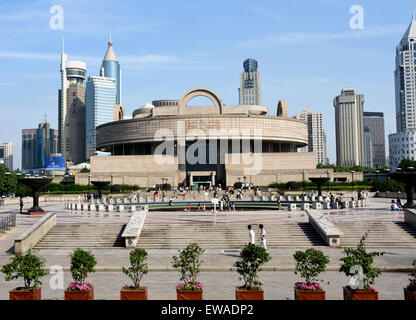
column 71, row 110
column 402, row 143
column 110, row 68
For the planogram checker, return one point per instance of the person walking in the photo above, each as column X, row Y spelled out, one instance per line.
column 21, row 205
column 263, row 237
column 251, row 236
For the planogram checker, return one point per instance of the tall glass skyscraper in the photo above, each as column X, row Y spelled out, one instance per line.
column 100, row 99
column 110, row 68
column 250, row 84
column 402, row 144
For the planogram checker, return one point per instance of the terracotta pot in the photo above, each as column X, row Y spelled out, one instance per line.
column 25, row 294
column 359, row 294
column 309, row 295
column 189, row 295
column 241, row 294
column 409, row 295
column 79, row 295
column 133, row 294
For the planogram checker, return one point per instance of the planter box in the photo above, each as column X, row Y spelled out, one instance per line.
column 309, row 295
column 128, row 294
column 25, row 294
column 189, row 295
column 359, row 294
column 409, row 295
column 79, row 295
column 248, row 294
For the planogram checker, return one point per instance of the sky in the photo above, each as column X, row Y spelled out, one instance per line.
column 307, row 52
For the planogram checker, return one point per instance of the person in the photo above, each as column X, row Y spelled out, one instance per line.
column 278, row 204
column 21, row 204
column 262, row 237
column 251, row 235
column 394, row 206
column 399, row 204
column 189, row 207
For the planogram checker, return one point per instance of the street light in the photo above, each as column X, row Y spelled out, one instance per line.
column 7, row 173
column 111, row 177
column 352, row 182
column 89, row 182
column 303, row 180
column 327, row 175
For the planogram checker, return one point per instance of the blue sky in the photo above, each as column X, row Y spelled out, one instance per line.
column 306, row 50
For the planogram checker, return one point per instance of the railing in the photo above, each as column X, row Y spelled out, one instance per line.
column 7, row 222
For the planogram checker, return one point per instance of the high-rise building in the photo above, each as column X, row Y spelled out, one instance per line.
column 349, row 127
column 374, row 121
column 400, row 147
column 6, row 154
column 110, row 68
column 100, row 103
column 316, row 134
column 250, row 84
column 37, row 145
column 71, row 113
column 368, row 148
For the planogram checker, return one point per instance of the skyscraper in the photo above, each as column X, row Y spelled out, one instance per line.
column 110, row 68
column 71, row 113
column 100, row 102
column 349, row 128
column 374, row 121
column 37, row 145
column 316, row 134
column 250, row 84
column 6, row 154
column 401, row 144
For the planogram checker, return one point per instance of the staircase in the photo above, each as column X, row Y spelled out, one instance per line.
column 226, row 236
column 84, row 236
column 381, row 235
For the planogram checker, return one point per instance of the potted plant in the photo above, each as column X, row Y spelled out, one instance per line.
column 310, row 264
column 29, row 267
column 136, row 271
column 188, row 263
column 358, row 263
column 252, row 257
column 82, row 263
column 410, row 290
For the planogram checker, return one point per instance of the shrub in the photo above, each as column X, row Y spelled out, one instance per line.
column 252, row 257
column 82, row 263
column 188, row 263
column 292, row 185
column 116, row 188
column 138, row 267
column 310, row 264
column 359, row 262
column 238, row 185
column 412, row 284
column 29, row 267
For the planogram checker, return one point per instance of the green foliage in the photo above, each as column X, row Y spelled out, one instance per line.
column 138, row 267
column 188, row 263
column 406, row 163
column 82, row 263
column 8, row 183
column 360, row 257
column 310, row 264
column 248, row 266
column 349, row 169
column 384, row 185
column 291, row 185
column 84, row 170
column 412, row 280
column 356, row 185
column 28, row 267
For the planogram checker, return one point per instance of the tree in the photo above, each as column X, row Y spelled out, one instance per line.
column 82, row 263
column 406, row 163
column 138, row 267
column 310, row 264
column 188, row 263
column 8, row 183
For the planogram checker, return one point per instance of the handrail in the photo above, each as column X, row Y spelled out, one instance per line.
column 7, row 222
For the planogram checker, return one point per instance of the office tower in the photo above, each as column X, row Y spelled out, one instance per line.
column 374, row 121
column 368, row 148
column 401, row 144
column 37, row 145
column 110, row 68
column 100, row 102
column 316, row 134
column 250, row 84
column 6, row 154
column 71, row 113
column 349, row 128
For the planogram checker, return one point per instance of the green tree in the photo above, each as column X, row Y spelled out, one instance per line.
column 252, row 257
column 406, row 163
column 29, row 267
column 138, row 267
column 188, row 262
column 82, row 263
column 310, row 264
column 8, row 182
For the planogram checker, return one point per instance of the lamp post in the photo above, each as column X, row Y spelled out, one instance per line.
column 89, row 183
column 327, row 175
column 377, row 172
column 352, row 182
column 7, row 173
column 111, row 177
column 303, row 180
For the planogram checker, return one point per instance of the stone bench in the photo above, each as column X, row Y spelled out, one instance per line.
column 293, row 207
column 410, row 217
column 34, row 234
column 325, row 228
column 134, row 227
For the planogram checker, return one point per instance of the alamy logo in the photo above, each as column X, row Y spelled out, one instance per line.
column 357, row 20
column 56, row 22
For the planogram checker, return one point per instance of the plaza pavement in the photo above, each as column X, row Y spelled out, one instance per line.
column 217, row 269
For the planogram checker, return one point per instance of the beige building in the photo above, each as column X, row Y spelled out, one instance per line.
column 170, row 142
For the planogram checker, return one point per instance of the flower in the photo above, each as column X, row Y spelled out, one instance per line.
column 189, row 286
column 313, row 286
column 74, row 286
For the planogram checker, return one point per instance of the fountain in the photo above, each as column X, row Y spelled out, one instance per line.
column 409, row 179
column 319, row 182
column 100, row 185
column 35, row 183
